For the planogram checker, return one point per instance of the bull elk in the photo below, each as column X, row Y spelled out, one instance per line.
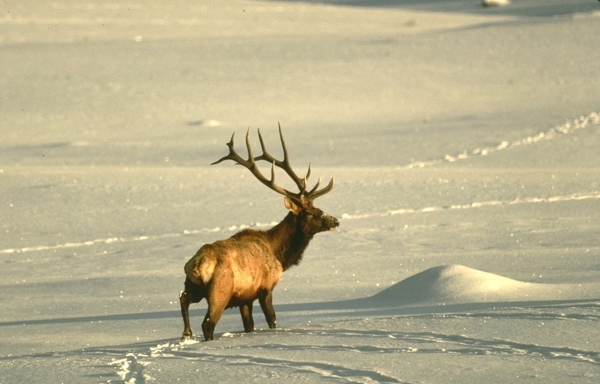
column 247, row 266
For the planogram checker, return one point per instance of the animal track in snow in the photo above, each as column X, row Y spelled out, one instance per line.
column 336, row 341
column 479, row 204
column 325, row 370
column 449, row 344
column 563, row 129
column 131, row 370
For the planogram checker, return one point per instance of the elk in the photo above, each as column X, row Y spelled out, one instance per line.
column 247, row 266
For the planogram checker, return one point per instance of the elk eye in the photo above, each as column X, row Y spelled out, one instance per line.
column 308, row 213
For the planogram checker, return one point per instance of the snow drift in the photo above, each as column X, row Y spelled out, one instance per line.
column 459, row 284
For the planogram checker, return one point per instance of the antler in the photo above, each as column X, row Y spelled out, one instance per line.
column 284, row 164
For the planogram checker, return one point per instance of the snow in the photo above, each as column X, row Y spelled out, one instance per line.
column 495, row 3
column 464, row 144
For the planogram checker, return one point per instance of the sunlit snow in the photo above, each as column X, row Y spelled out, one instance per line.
column 464, row 144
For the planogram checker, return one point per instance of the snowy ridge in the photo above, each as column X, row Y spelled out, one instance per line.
column 345, row 216
column 582, row 122
column 480, row 204
column 112, row 240
column 460, row 284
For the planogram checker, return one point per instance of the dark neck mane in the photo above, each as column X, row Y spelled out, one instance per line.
column 289, row 241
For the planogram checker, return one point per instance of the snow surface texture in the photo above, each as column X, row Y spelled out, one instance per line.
column 463, row 139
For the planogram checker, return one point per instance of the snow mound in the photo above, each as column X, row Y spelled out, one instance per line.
column 460, row 284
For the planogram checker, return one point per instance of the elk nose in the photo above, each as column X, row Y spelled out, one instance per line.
column 335, row 223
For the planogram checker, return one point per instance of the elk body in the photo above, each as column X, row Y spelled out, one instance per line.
column 247, row 266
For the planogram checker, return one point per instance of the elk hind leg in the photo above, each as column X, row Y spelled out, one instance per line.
column 219, row 295
column 213, row 315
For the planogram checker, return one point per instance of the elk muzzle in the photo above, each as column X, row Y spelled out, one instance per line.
column 331, row 222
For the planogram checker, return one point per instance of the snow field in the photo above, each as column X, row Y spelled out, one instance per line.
column 464, row 143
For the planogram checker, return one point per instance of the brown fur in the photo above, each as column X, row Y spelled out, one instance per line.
column 247, row 266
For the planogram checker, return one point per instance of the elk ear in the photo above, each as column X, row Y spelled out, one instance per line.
column 291, row 205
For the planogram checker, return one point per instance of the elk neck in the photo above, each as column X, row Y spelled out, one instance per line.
column 289, row 241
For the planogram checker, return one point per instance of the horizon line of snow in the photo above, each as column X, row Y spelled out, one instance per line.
column 112, row 240
column 81, row 21
column 478, row 204
column 581, row 122
column 345, row 216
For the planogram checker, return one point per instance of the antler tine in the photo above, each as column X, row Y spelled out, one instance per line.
column 285, row 152
column 248, row 148
column 300, row 182
column 283, row 164
column 313, row 194
column 232, row 155
column 250, row 164
column 315, row 187
column 308, row 172
column 265, row 155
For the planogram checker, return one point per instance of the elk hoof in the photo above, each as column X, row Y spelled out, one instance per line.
column 186, row 337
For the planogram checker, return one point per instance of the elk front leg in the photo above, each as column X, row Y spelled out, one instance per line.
column 246, row 312
column 266, row 304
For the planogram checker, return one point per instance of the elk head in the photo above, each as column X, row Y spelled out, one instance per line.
column 299, row 203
